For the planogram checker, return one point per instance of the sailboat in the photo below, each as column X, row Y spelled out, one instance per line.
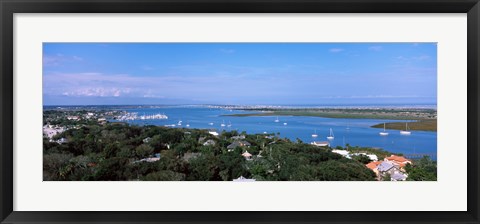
column 331, row 137
column 315, row 134
column 188, row 124
column 223, row 123
column 229, row 124
column 276, row 120
column 383, row 133
column 406, row 132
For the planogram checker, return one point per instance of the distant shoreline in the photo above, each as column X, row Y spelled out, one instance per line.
column 421, row 125
column 254, row 106
column 353, row 113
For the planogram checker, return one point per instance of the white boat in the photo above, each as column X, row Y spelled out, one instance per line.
column 314, row 135
column 285, row 123
column 406, row 132
column 383, row 133
column 276, row 120
column 229, row 124
column 223, row 124
column 211, row 123
column 331, row 137
column 179, row 123
column 188, row 125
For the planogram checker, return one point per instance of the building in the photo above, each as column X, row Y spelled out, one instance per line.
column 398, row 177
column 147, row 140
column 61, row 141
column 372, row 157
column 148, row 160
column 319, row 143
column 236, row 144
column 400, row 161
column 191, row 155
column 238, row 137
column 51, row 131
column 373, row 166
column 75, row 118
column 214, row 133
column 209, row 142
column 247, row 155
column 382, row 168
column 344, row 153
column 388, row 168
column 243, row 179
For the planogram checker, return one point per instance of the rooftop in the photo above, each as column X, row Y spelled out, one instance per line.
column 399, row 159
column 385, row 166
column 398, row 176
column 243, row 179
column 238, row 144
column 373, row 165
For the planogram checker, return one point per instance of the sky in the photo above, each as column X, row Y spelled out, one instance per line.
column 239, row 73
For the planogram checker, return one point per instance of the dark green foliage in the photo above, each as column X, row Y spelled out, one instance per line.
column 164, row 175
column 362, row 158
column 113, row 151
column 203, row 168
column 143, row 151
column 381, row 154
column 56, row 166
column 386, row 177
column 111, row 169
column 423, row 169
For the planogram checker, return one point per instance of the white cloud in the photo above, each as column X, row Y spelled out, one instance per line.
column 336, row 50
column 413, row 59
column 174, row 86
column 227, row 51
column 375, row 48
column 421, row 58
column 76, row 58
column 97, row 91
column 370, row 96
column 59, row 59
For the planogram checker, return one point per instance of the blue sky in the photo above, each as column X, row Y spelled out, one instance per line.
column 239, row 73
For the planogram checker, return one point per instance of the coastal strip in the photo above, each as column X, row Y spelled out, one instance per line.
column 420, row 125
column 370, row 113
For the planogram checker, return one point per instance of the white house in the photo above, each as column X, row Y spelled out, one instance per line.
column 318, row 143
column 344, row 153
column 243, row 179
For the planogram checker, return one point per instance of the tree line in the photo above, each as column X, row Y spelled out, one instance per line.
column 114, row 151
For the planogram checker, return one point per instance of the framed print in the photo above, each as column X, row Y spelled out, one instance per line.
column 243, row 112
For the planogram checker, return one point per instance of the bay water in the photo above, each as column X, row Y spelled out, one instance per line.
column 355, row 132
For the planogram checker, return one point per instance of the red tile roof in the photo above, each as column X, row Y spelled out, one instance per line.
column 373, row 165
column 399, row 159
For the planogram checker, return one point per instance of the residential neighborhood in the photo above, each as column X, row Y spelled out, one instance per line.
column 86, row 143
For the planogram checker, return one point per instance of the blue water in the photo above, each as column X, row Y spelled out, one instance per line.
column 356, row 132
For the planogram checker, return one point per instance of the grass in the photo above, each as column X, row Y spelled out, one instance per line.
column 347, row 113
column 421, row 125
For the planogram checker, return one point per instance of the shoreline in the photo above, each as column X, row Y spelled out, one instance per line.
column 371, row 113
column 420, row 125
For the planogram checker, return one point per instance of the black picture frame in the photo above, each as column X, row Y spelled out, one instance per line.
column 9, row 7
